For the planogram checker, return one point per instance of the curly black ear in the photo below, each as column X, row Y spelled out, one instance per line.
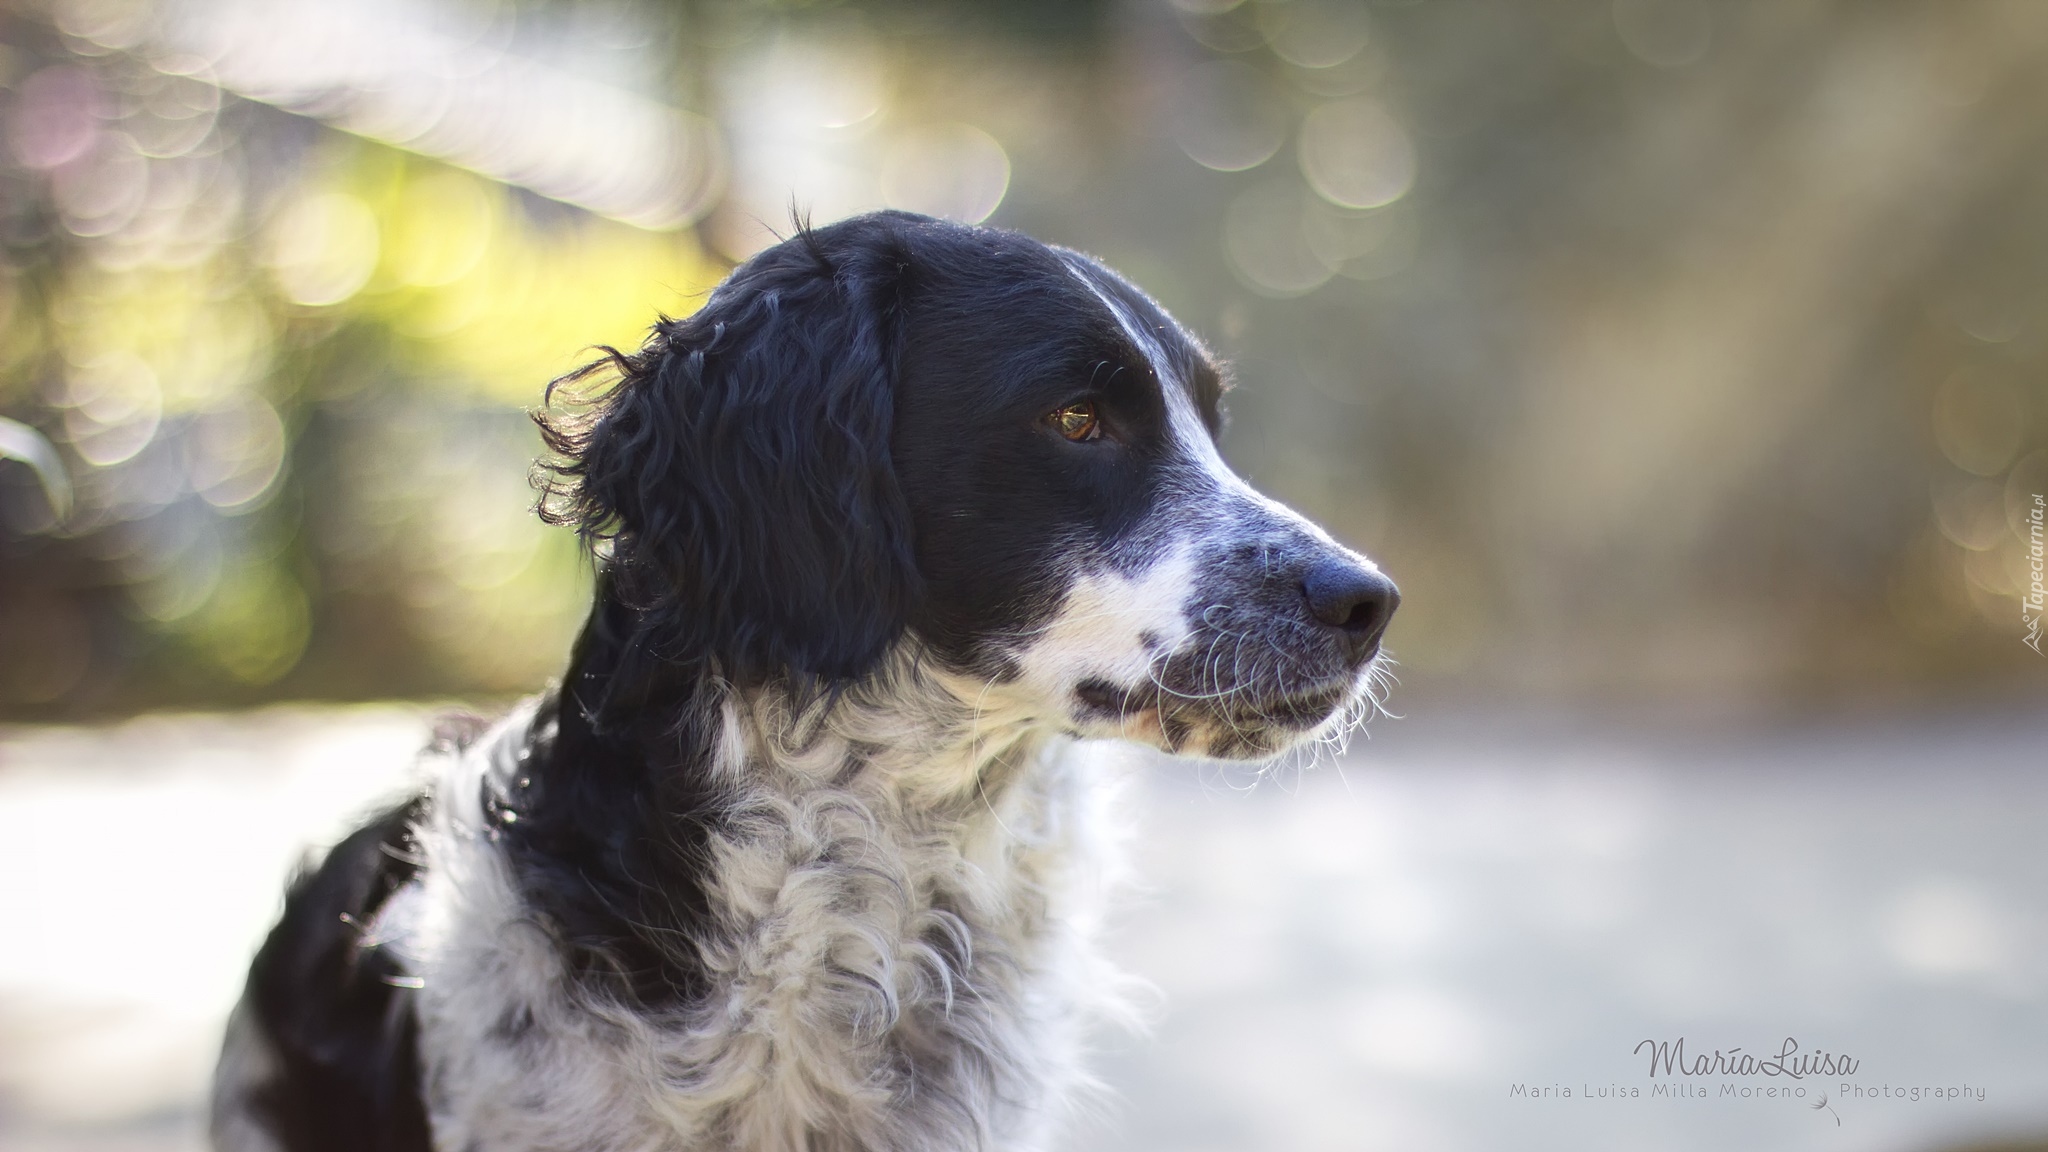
column 740, row 471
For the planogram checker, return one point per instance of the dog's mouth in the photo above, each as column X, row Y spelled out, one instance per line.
column 1298, row 710
column 1241, row 722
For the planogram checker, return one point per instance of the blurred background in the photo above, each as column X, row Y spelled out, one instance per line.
column 1685, row 361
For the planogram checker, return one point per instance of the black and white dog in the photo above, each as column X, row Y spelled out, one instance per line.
column 802, row 854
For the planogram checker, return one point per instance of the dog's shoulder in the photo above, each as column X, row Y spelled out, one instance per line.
column 322, row 1052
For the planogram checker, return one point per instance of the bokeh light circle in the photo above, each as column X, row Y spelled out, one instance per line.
column 1266, row 244
column 955, row 171
column 1227, row 116
column 1666, row 33
column 1355, row 155
column 1315, row 33
column 323, row 248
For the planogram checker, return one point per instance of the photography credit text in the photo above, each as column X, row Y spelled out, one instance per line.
column 1815, row 1078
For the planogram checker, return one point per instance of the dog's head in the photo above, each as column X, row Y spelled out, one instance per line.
column 895, row 430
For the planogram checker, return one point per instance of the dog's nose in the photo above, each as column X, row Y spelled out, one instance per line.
column 1357, row 601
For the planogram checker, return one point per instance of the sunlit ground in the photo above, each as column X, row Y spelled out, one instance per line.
column 1360, row 959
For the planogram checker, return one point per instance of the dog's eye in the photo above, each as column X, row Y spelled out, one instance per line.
column 1077, row 422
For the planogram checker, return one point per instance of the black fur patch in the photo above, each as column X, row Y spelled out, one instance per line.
column 740, row 470
column 342, row 1031
column 612, row 820
column 1103, row 700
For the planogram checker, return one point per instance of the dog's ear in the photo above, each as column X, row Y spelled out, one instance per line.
column 739, row 470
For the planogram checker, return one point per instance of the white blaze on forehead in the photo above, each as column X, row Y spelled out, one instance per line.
column 1190, row 430
column 1102, row 628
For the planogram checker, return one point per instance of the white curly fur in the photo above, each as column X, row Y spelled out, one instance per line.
column 991, row 839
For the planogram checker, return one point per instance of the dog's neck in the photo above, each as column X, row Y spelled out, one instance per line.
column 869, row 904
column 931, row 733
column 644, row 770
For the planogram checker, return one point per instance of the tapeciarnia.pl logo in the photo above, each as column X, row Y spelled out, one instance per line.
column 2033, row 604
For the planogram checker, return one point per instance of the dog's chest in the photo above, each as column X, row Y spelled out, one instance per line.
column 876, row 979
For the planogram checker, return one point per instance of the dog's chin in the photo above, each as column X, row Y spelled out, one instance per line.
column 1245, row 725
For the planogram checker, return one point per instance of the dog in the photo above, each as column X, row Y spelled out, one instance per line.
column 802, row 853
